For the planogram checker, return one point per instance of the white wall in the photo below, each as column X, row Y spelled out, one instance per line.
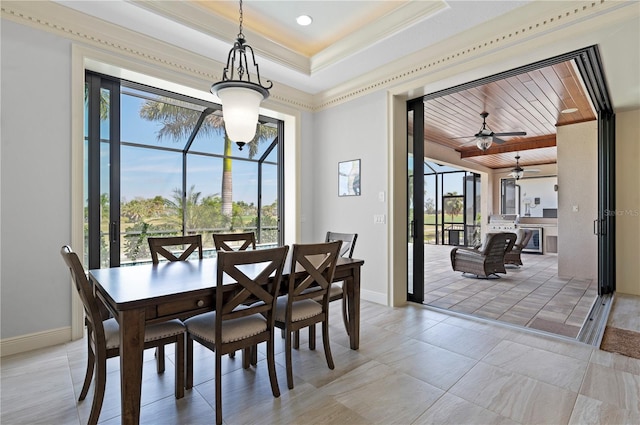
column 307, row 175
column 353, row 130
column 36, row 181
column 540, row 188
column 577, row 189
column 628, row 202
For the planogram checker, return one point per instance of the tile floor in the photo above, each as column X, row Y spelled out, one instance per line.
column 532, row 295
column 414, row 366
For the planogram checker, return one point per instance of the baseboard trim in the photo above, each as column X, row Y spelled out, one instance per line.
column 34, row 341
column 375, row 297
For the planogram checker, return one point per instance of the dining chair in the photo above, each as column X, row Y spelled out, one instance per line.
column 244, row 314
column 188, row 244
column 234, row 241
column 160, row 246
column 336, row 291
column 312, row 269
column 103, row 337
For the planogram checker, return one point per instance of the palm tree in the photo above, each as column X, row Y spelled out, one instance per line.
column 179, row 120
column 453, row 205
column 178, row 207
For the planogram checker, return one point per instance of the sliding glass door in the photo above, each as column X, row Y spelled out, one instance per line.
column 589, row 65
column 102, row 160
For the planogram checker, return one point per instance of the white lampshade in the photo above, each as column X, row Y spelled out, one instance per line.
column 240, row 109
column 483, row 143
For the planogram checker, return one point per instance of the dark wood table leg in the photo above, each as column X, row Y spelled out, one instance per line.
column 131, row 351
column 353, row 308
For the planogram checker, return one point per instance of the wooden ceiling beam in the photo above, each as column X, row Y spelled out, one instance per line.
column 537, row 142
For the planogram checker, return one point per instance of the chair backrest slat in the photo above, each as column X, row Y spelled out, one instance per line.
column 189, row 243
column 258, row 274
column 498, row 244
column 234, row 241
column 318, row 261
column 348, row 242
column 525, row 239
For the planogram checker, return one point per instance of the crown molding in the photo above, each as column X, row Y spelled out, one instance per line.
column 103, row 36
column 551, row 21
column 539, row 20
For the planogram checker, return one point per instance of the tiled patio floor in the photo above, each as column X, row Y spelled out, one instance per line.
column 532, row 296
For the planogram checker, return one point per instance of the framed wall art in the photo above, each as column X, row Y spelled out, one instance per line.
column 349, row 178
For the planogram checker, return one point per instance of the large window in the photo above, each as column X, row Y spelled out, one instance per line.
column 159, row 164
column 451, row 205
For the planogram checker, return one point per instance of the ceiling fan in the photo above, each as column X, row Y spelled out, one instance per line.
column 518, row 172
column 485, row 136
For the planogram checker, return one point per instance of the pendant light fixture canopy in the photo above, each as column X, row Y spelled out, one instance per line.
column 240, row 96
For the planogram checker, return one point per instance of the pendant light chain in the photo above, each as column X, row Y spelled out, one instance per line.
column 240, row 96
column 240, row 35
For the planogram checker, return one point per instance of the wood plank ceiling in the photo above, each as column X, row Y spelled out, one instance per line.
column 531, row 102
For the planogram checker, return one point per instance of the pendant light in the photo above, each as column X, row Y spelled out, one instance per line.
column 518, row 171
column 240, row 96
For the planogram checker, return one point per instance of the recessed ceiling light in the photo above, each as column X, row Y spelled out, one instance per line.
column 569, row 110
column 304, row 20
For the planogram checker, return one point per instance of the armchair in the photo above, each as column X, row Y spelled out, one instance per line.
column 513, row 255
column 487, row 260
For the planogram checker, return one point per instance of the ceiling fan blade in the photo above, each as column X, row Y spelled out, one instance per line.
column 462, row 137
column 497, row 140
column 512, row 133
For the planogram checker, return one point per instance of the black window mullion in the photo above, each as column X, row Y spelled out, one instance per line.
column 184, row 192
column 281, row 198
column 418, row 200
column 114, row 172
column 93, row 158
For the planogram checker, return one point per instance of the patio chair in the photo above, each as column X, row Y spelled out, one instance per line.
column 513, row 256
column 487, row 260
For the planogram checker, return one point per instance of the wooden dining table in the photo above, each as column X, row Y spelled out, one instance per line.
column 146, row 294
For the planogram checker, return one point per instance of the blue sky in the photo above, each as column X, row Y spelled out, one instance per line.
column 149, row 172
column 451, row 182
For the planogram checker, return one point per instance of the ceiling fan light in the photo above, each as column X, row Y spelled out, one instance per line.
column 483, row 143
